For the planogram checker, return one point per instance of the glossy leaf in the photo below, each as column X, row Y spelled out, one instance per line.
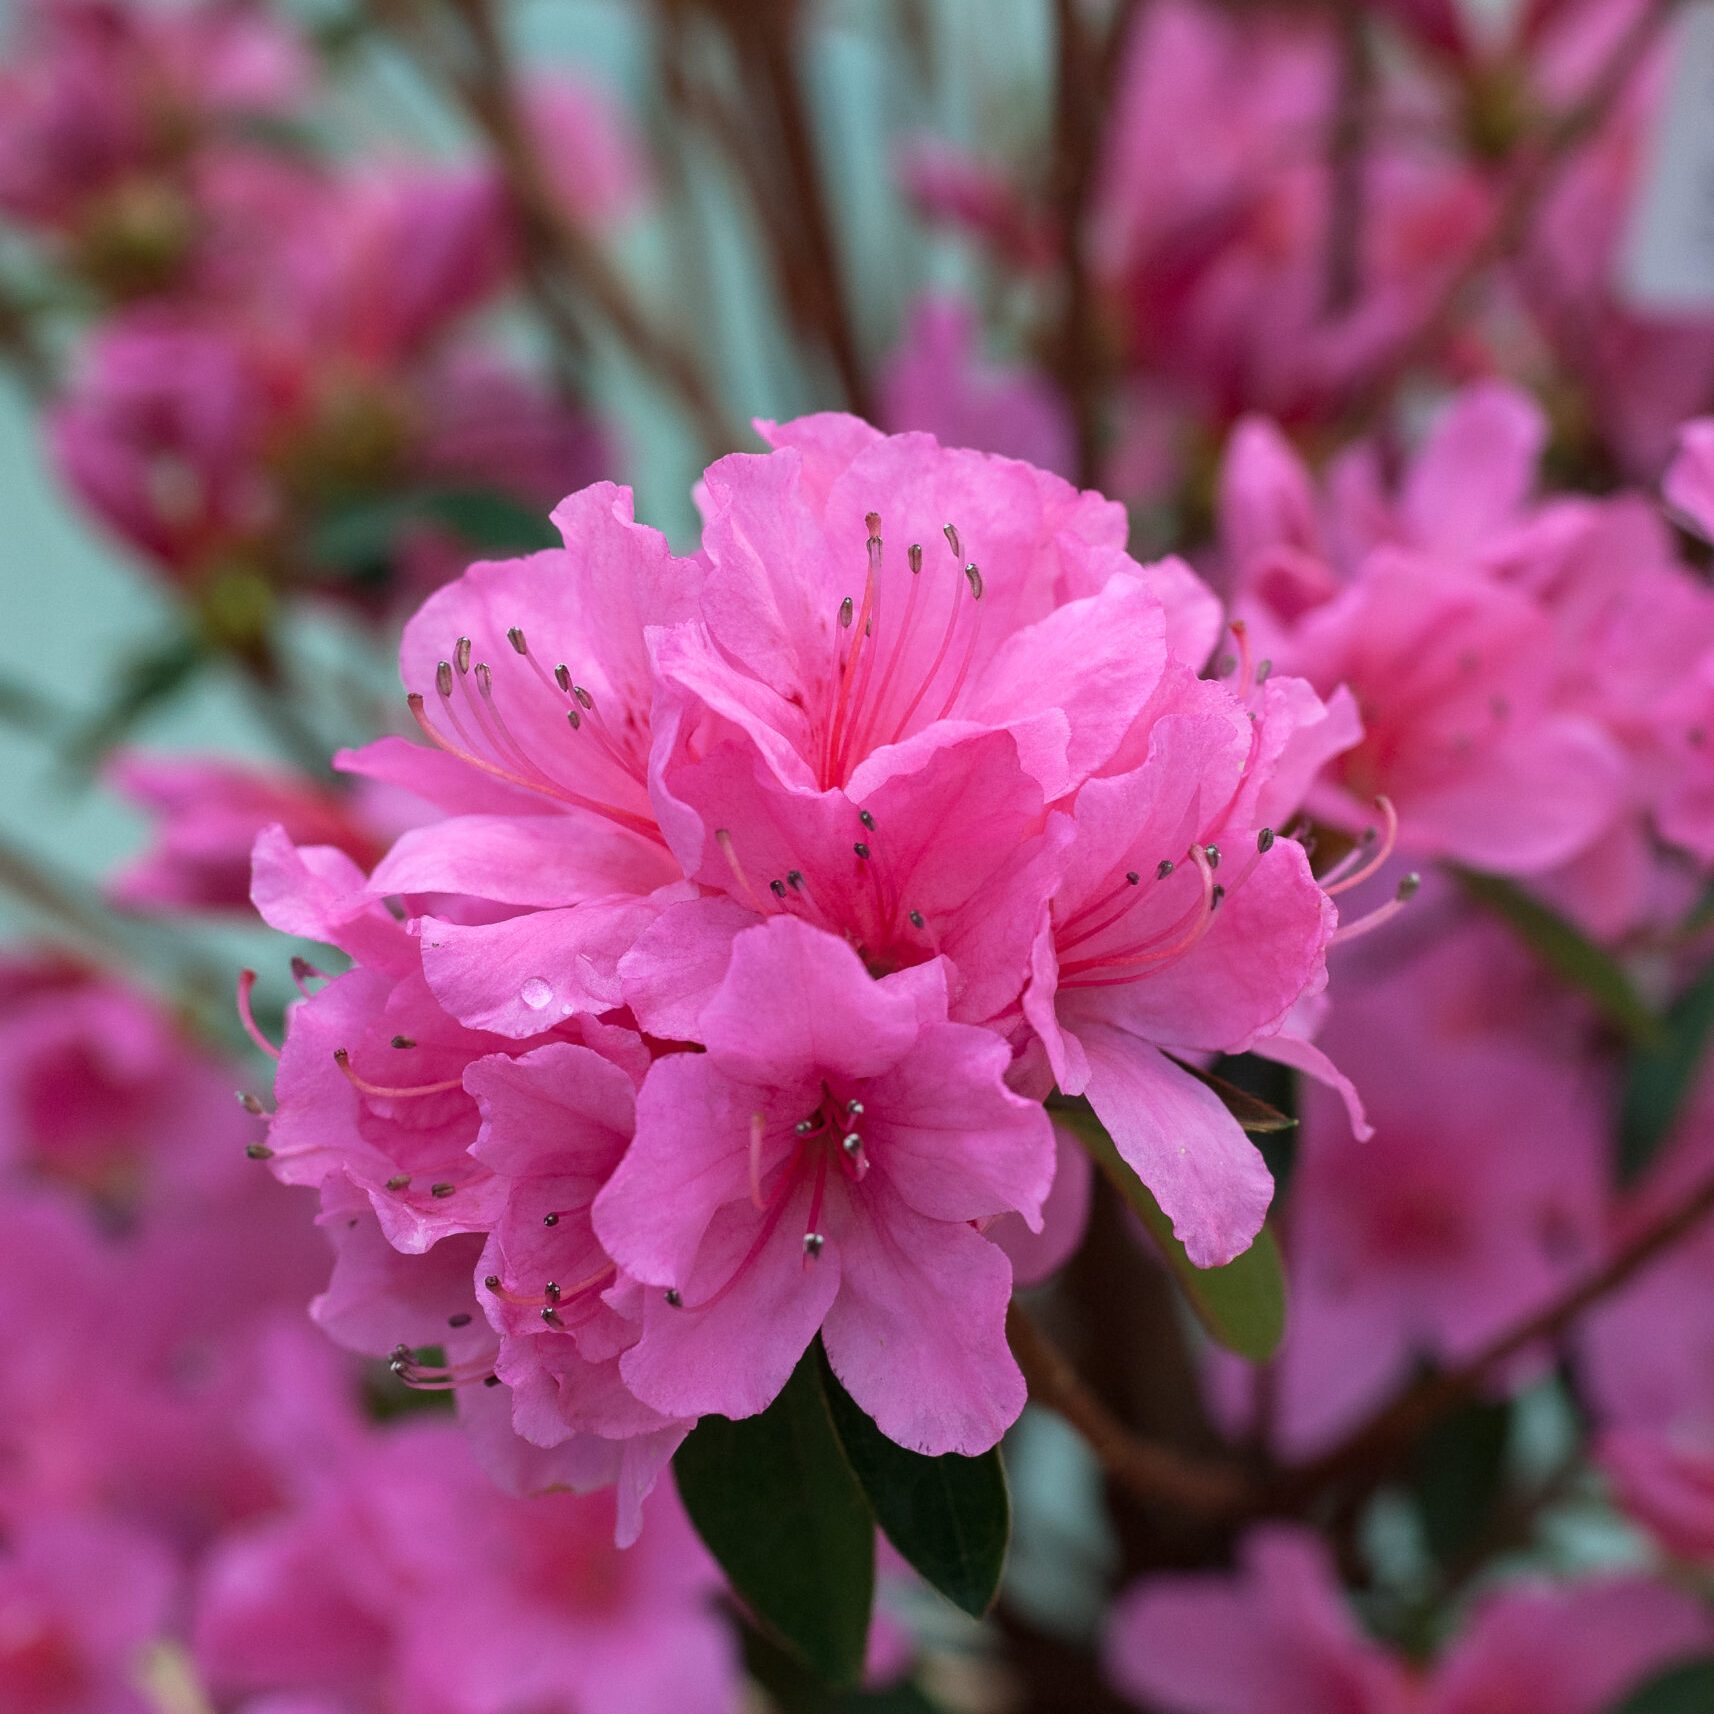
column 1241, row 1305
column 777, row 1503
column 1659, row 1077
column 1459, row 1474
column 365, row 533
column 1260, row 1118
column 1568, row 952
column 951, row 1517
column 1684, row 1689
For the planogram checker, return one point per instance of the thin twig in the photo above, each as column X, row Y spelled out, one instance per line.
column 1348, row 151
column 1085, row 74
column 1151, row 1473
column 558, row 255
column 1376, row 1447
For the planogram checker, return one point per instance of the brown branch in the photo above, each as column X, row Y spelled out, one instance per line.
column 1348, row 149
column 1084, row 76
column 558, row 255
column 1374, row 1449
column 1537, row 171
column 1150, row 1473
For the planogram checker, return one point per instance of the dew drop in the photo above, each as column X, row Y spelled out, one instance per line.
column 536, row 993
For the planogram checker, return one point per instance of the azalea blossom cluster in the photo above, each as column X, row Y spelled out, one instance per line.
column 769, row 892
column 1044, row 1042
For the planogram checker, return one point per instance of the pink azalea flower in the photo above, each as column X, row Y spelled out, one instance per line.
column 101, row 1090
column 1184, row 925
column 100, row 95
column 1425, row 1241
column 936, row 380
column 1458, row 670
column 818, row 1167
column 161, row 434
column 1275, row 1638
column 1212, row 216
column 404, row 1581
column 79, row 1602
column 210, row 811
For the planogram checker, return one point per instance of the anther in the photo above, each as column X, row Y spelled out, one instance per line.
column 442, row 1190
column 794, row 879
column 583, row 696
column 916, row 918
column 1133, row 878
column 551, row 1289
column 550, row 1219
column 562, row 677
column 551, row 1316
column 461, row 654
column 492, row 1282
column 1212, row 853
column 852, row 1144
column 861, row 849
column 803, row 1127
column 950, row 531
column 854, row 1107
column 490, row 1380
column 777, row 888
column 252, row 1104
column 913, row 558
column 847, row 611
column 573, row 719
column 1408, row 887
column 812, row 1244
column 1225, row 666
column 1265, row 839
column 303, row 970
column 674, row 1299
column 1215, row 896
column 462, row 1319
column 1163, row 868
column 399, row 1181
column 1264, row 670
column 872, row 523
column 974, row 578
column 403, row 1041
column 867, row 819
column 443, row 678
column 515, row 636
column 259, row 1151
column 484, row 678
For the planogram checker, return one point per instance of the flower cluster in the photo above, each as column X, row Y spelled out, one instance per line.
column 770, row 892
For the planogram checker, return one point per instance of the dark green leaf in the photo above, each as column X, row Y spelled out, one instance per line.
column 142, row 682
column 1255, row 1115
column 1458, row 1474
column 779, row 1507
column 1659, row 1077
column 364, row 533
column 951, row 1517
column 1242, row 1305
column 1684, row 1689
column 792, row 1689
column 1567, row 951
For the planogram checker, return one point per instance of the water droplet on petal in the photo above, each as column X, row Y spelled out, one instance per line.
column 536, row 992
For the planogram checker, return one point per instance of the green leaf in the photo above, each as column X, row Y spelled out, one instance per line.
column 1566, row 951
column 776, row 1501
column 1260, row 1118
column 1242, row 1305
column 1458, row 1475
column 793, row 1689
column 364, row 533
column 1659, row 1077
column 1684, row 1689
column 951, row 1516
